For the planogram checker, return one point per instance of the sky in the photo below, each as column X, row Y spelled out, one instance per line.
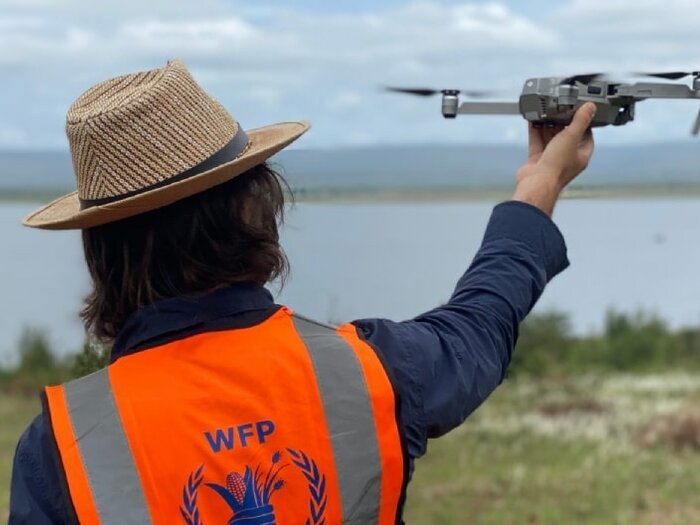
column 269, row 61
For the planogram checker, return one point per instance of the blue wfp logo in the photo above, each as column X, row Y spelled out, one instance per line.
column 239, row 436
column 249, row 493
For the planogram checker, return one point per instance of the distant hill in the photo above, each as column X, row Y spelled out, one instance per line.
column 404, row 167
column 45, row 171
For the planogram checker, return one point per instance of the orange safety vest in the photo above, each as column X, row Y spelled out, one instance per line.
column 287, row 422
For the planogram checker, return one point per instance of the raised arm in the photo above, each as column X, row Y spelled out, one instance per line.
column 445, row 362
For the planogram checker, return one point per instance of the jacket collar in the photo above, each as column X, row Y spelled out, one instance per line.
column 179, row 315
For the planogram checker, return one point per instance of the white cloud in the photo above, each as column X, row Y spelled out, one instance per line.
column 639, row 28
column 494, row 23
column 667, row 12
column 268, row 63
column 34, row 43
column 211, row 35
column 412, row 34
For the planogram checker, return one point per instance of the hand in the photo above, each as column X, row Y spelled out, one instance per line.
column 556, row 156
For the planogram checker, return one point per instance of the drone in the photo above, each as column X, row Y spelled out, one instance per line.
column 552, row 101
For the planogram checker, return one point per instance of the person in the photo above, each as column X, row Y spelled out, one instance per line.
column 218, row 404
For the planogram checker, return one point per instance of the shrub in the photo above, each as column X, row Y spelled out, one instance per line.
column 90, row 359
column 38, row 365
column 34, row 352
column 543, row 345
column 629, row 343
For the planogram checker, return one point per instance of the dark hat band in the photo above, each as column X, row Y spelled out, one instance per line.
column 229, row 152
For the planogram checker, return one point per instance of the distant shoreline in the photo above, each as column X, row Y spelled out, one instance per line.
column 490, row 194
column 379, row 195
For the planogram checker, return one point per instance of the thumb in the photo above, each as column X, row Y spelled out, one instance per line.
column 582, row 120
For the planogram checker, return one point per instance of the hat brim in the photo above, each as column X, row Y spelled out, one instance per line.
column 65, row 214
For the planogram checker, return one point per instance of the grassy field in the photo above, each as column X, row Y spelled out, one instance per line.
column 15, row 413
column 614, row 450
column 619, row 450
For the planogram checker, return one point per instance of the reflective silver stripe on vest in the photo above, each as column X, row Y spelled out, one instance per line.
column 114, row 482
column 349, row 419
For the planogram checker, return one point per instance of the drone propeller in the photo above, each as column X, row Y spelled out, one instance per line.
column 421, row 92
column 673, row 75
column 583, row 79
column 428, row 92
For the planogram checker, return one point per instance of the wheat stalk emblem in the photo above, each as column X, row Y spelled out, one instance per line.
column 249, row 494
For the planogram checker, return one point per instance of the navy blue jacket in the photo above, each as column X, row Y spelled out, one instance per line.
column 443, row 363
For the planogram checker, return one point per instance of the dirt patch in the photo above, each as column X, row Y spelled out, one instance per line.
column 679, row 431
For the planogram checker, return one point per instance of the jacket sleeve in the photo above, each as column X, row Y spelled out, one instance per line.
column 36, row 497
column 447, row 361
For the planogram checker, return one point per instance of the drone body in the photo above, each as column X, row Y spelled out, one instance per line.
column 552, row 101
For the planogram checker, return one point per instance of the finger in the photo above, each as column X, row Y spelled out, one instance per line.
column 582, row 119
column 587, row 144
column 587, row 137
column 550, row 133
column 535, row 141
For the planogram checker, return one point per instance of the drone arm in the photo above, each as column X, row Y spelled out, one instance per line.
column 489, row 108
column 642, row 90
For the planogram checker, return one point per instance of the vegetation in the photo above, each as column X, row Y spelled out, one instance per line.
column 629, row 343
column 622, row 449
column 19, row 403
column 16, row 411
column 547, row 347
column 39, row 366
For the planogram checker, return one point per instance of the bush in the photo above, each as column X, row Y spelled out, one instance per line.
column 543, row 344
column 638, row 343
column 90, row 359
column 39, row 366
column 34, row 352
column 546, row 348
column 629, row 343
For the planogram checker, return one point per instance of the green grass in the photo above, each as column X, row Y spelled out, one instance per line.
column 479, row 478
column 618, row 449
column 569, row 452
column 16, row 411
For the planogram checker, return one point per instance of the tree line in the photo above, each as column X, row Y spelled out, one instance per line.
column 547, row 346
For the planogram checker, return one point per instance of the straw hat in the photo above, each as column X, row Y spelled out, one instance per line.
column 146, row 140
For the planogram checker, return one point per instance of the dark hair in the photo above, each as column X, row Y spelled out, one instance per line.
column 225, row 235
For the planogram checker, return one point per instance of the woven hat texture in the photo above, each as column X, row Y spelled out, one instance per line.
column 131, row 136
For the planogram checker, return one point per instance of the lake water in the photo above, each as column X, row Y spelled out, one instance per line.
column 395, row 260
